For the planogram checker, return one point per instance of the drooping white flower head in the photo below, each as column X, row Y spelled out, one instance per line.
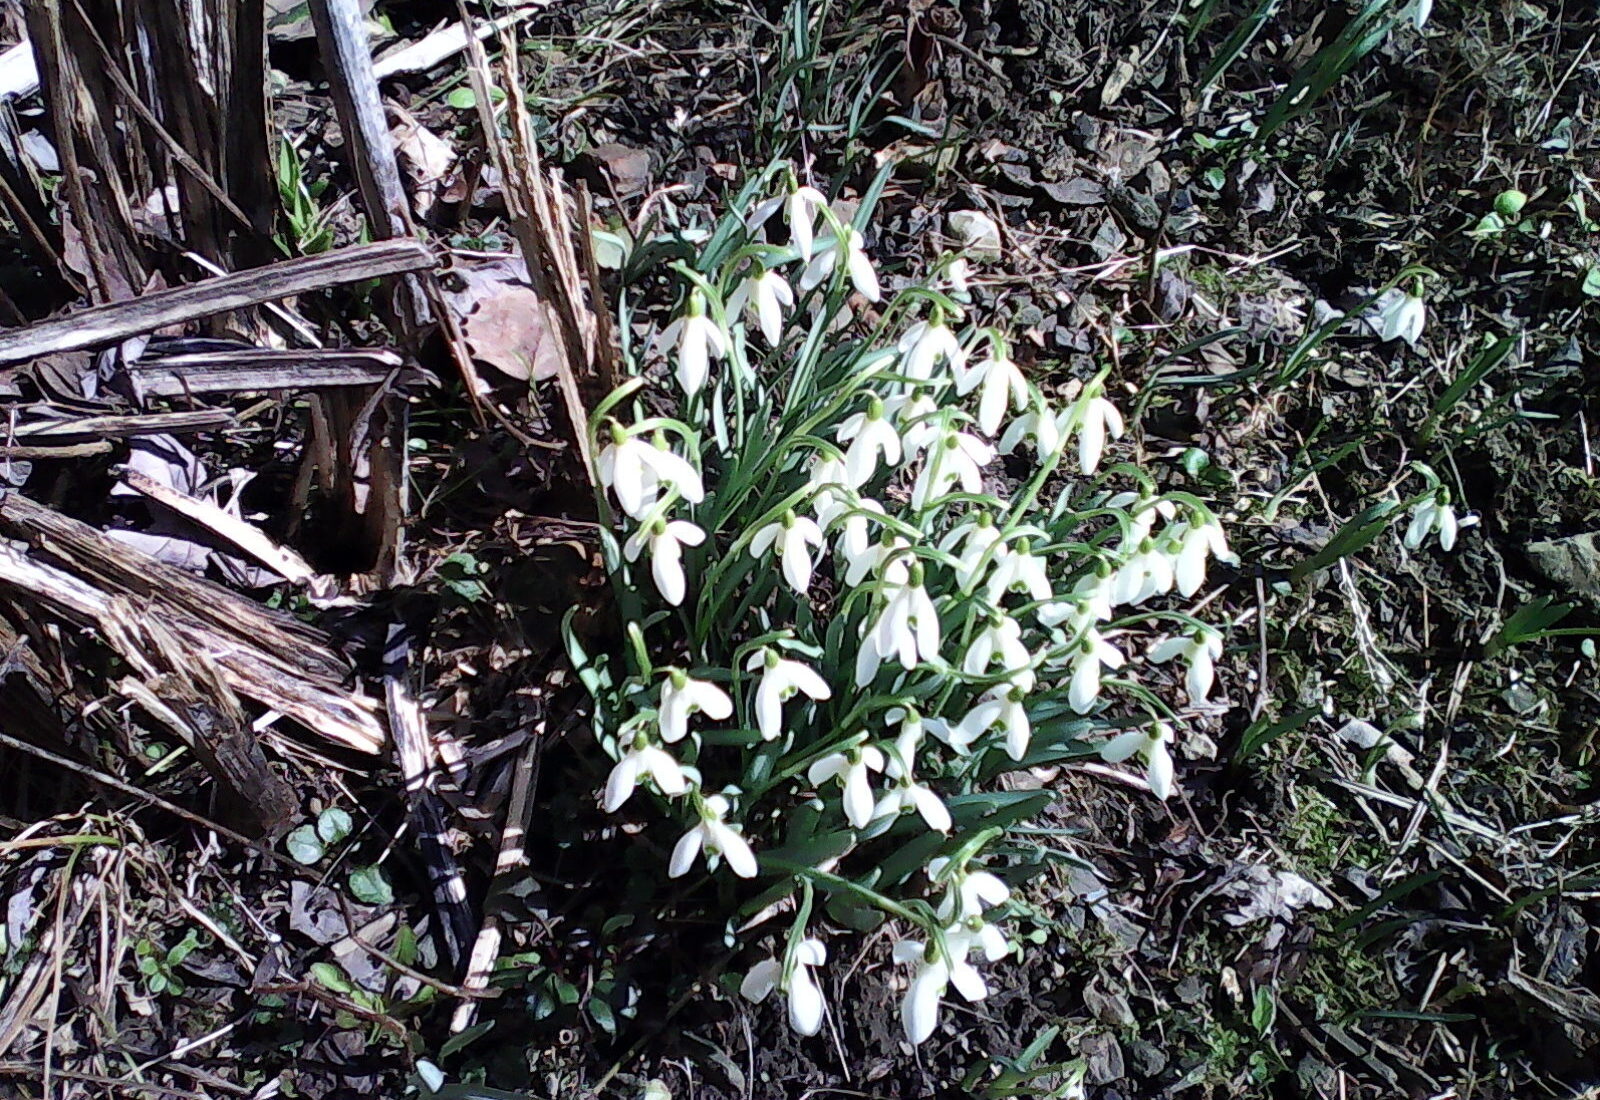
column 1200, row 651
column 791, row 538
column 1091, row 654
column 853, row 772
column 855, row 534
column 915, row 416
column 793, row 977
column 826, row 258
column 698, row 339
column 683, row 696
column 925, row 345
column 1090, row 596
column 831, row 493
column 935, row 971
column 1017, row 570
column 1150, row 745
column 1201, row 538
column 1000, row 709
column 1396, row 315
column 766, row 296
column 1435, row 515
column 716, row 837
column 958, row 459
column 968, row 892
column 800, row 210
column 1147, row 572
column 869, row 435
column 666, row 540
column 1100, row 420
column 908, row 625
column 1001, row 384
column 906, row 795
column 974, row 535
column 643, row 759
column 957, row 278
column 1041, row 424
column 1000, row 641
column 637, row 470
column 781, row 679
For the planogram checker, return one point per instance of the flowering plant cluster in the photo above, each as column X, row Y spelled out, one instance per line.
column 846, row 611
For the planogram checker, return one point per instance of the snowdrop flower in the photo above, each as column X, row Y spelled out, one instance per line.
column 683, row 696
column 968, row 893
column 999, row 708
column 643, row 759
column 883, row 556
column 1018, row 571
column 826, row 258
column 1091, row 597
column 908, row 625
column 717, row 837
column 793, row 537
column 1100, row 419
column 766, row 295
column 1092, row 653
column 914, row 417
column 1143, row 510
column 925, row 344
column 636, row 470
column 1001, row 382
column 1000, row 639
column 907, row 795
column 974, row 535
column 666, row 540
column 1151, row 747
column 957, row 278
column 1200, row 539
column 1396, row 315
column 781, row 680
column 1419, row 10
column 1199, row 651
column 935, row 972
column 699, row 338
column 805, row 999
column 958, row 460
column 831, row 493
column 1147, row 573
column 855, row 536
column 1040, row 424
column 869, row 435
column 800, row 211
column 853, row 771
column 1436, row 515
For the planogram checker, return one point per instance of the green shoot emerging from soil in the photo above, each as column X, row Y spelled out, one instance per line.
column 846, row 616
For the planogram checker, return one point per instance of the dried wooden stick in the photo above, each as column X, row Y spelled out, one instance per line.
column 253, row 369
column 246, row 536
column 114, row 321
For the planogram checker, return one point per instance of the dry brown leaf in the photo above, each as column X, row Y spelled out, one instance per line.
column 514, row 332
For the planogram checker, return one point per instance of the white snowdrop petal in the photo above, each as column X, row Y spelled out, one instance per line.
column 762, row 979
column 684, row 853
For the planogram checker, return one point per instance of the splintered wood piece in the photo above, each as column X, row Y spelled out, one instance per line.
column 117, row 567
column 249, row 370
column 246, row 536
column 153, row 635
column 114, row 321
column 125, row 427
column 347, row 56
column 444, row 43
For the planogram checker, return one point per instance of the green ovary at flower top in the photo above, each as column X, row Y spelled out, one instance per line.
column 847, row 590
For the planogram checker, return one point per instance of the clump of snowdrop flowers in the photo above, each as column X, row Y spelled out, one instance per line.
column 844, row 613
